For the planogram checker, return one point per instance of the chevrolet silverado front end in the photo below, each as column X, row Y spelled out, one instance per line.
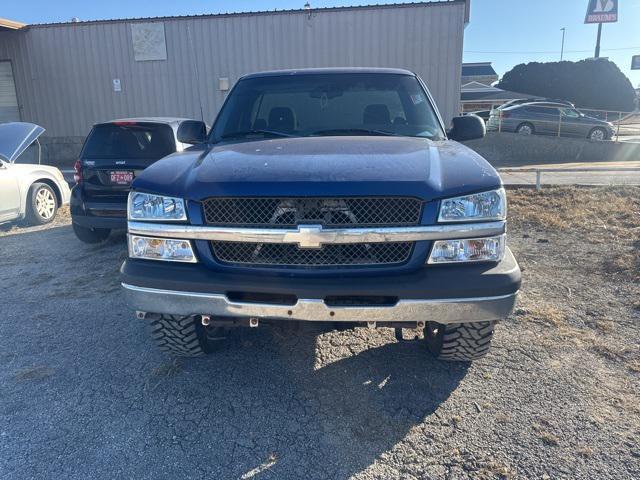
column 323, row 195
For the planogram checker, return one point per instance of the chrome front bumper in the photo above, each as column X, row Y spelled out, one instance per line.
column 452, row 310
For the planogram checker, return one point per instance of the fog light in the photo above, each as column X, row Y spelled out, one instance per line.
column 489, row 249
column 167, row 249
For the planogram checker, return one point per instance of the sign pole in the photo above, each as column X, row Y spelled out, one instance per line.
column 601, row 11
column 597, row 55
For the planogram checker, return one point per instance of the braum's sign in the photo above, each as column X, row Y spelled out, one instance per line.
column 602, row 11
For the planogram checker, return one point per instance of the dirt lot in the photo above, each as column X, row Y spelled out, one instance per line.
column 85, row 395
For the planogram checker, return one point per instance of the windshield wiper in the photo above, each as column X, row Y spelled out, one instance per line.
column 353, row 131
column 245, row 133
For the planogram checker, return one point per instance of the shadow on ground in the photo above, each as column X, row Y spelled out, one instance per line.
column 269, row 405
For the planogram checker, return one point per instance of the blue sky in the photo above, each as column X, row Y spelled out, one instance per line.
column 506, row 32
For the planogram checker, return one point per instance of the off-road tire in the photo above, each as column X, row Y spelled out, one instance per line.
column 34, row 216
column 90, row 235
column 183, row 336
column 461, row 342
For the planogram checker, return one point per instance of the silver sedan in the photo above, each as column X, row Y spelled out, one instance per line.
column 30, row 192
column 546, row 118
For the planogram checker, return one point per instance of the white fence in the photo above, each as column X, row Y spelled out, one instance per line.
column 540, row 171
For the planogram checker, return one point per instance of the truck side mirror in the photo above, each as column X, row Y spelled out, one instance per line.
column 469, row 127
column 192, row 132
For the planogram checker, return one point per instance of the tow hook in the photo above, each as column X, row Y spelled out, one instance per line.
column 253, row 322
column 400, row 337
column 205, row 319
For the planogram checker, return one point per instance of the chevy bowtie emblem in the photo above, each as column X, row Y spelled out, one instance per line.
column 308, row 236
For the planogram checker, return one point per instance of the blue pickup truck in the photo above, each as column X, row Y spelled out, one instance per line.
column 323, row 195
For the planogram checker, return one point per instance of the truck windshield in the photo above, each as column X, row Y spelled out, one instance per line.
column 327, row 104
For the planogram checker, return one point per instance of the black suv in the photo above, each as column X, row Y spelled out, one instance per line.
column 113, row 154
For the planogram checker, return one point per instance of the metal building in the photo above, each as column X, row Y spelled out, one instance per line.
column 68, row 76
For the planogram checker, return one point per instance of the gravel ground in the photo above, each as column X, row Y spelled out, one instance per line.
column 86, row 395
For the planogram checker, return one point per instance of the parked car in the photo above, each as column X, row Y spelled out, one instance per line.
column 113, row 154
column 328, row 195
column 483, row 114
column 520, row 101
column 545, row 118
column 30, row 192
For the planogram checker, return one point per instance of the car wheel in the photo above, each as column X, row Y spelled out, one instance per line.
column 90, row 235
column 460, row 342
column 525, row 129
column 598, row 134
column 42, row 204
column 185, row 336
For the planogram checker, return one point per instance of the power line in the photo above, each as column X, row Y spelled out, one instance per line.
column 549, row 51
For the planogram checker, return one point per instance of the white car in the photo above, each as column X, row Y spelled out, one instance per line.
column 30, row 192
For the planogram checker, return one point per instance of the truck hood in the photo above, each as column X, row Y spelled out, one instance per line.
column 322, row 166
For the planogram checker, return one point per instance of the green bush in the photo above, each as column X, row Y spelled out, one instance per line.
column 594, row 83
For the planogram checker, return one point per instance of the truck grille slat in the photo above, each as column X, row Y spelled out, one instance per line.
column 350, row 212
column 333, row 255
column 329, row 212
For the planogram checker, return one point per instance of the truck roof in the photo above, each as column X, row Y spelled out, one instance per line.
column 334, row 70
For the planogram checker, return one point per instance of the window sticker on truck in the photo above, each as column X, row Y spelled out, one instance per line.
column 417, row 98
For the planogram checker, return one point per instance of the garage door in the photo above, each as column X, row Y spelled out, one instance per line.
column 8, row 100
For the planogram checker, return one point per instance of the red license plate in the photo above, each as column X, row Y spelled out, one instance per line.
column 121, row 178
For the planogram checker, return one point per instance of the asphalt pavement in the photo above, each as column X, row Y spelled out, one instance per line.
column 86, row 394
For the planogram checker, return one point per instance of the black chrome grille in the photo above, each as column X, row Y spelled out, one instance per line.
column 329, row 212
column 335, row 255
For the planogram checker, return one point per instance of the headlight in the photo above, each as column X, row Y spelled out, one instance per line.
column 489, row 249
column 146, row 206
column 490, row 205
column 168, row 249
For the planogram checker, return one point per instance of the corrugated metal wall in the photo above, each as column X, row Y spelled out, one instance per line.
column 8, row 100
column 64, row 73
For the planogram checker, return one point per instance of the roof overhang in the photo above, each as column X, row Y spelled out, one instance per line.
column 6, row 24
column 316, row 10
column 479, row 87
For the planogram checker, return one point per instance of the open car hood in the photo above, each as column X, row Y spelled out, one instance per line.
column 15, row 138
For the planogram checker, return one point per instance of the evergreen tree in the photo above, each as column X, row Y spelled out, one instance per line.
column 593, row 83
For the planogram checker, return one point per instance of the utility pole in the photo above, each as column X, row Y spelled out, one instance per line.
column 562, row 49
column 597, row 55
